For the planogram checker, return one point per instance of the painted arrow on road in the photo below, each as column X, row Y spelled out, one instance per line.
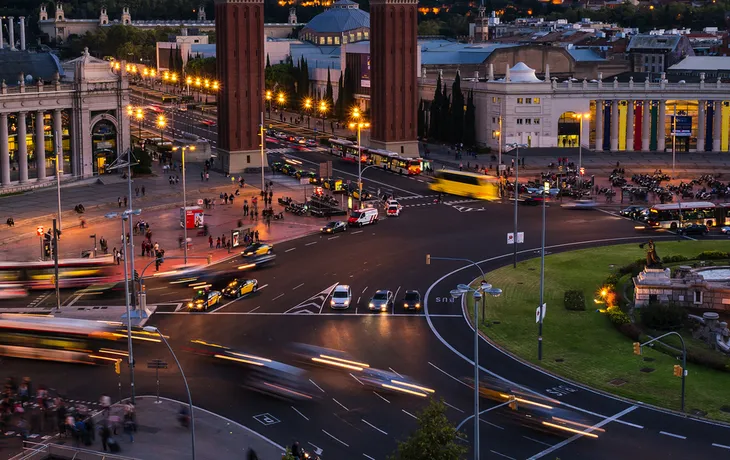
column 312, row 305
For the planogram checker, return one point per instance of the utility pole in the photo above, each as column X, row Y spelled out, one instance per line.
column 54, row 240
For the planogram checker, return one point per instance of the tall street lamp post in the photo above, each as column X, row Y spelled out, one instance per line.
column 268, row 96
column 581, row 117
column 140, row 116
column 359, row 125
column 307, row 108
column 517, row 195
column 161, row 122
column 185, row 200
column 323, row 111
column 545, row 195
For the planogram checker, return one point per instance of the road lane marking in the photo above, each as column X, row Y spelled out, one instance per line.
column 277, row 297
column 355, row 233
column 502, row 455
column 366, row 288
column 396, row 373
column 458, row 427
column 358, row 380
column 449, row 375
column 672, row 435
column 453, row 407
column 408, row 413
column 379, row 396
column 157, row 288
column 311, row 243
column 320, row 389
column 290, row 249
column 373, row 426
column 490, row 423
column 341, row 405
column 333, row 237
column 303, row 416
column 367, row 456
column 227, row 304
column 588, row 430
column 358, row 302
column 721, row 446
column 254, row 309
column 537, row 441
column 336, row 439
column 297, row 287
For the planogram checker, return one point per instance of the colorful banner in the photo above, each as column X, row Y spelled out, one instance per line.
column 622, row 113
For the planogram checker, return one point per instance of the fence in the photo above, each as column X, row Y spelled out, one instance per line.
column 36, row 451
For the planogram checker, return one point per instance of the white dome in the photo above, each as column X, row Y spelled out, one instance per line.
column 521, row 73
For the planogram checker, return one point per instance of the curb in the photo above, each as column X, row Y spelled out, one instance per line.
column 559, row 377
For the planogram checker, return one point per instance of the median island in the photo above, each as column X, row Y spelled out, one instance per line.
column 593, row 346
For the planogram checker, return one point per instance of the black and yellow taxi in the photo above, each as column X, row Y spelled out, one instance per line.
column 257, row 249
column 204, row 299
column 240, row 287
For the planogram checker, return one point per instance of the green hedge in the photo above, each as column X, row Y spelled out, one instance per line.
column 662, row 316
column 617, row 316
column 574, row 300
column 713, row 255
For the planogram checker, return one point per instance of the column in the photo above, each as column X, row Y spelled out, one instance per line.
column 40, row 145
column 58, row 139
column 661, row 134
column 599, row 126
column 646, row 126
column 4, row 150
column 629, row 126
column 717, row 127
column 614, row 125
column 701, row 125
column 11, row 33
column 22, row 139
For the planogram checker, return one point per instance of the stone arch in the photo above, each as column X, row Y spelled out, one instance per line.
column 568, row 129
column 104, row 142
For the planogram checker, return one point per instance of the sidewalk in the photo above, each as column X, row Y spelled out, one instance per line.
column 160, row 436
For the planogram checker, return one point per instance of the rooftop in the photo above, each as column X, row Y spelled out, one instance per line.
column 32, row 65
column 343, row 16
column 444, row 52
column 709, row 63
column 657, row 42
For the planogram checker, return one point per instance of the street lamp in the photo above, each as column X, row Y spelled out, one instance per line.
column 359, row 125
column 307, row 108
column 161, row 122
column 140, row 116
column 126, row 215
column 545, row 194
column 517, row 194
column 188, row 82
column 581, row 117
column 269, row 95
column 478, row 293
column 323, row 111
column 190, row 398
column 499, row 146
column 281, row 100
column 185, row 201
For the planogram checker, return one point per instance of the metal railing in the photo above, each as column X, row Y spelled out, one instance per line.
column 38, row 451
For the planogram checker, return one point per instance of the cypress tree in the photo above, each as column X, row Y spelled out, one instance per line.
column 340, row 94
column 470, row 128
column 421, row 120
column 457, row 111
column 268, row 61
column 328, row 94
column 445, row 118
column 435, row 111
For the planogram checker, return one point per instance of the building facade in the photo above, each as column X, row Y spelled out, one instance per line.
column 623, row 116
column 77, row 115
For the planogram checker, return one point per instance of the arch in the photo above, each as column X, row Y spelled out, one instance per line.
column 568, row 129
column 104, row 146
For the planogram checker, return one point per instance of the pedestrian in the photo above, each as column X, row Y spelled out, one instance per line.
column 210, row 240
column 223, row 240
column 143, row 190
column 136, row 191
column 218, row 243
column 105, row 434
column 125, row 201
column 256, row 236
column 207, row 176
column 119, row 201
column 114, row 254
column 256, row 214
column 202, row 176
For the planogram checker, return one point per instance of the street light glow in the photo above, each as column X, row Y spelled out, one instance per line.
column 161, row 122
column 215, row 86
column 356, row 113
column 322, row 106
column 268, row 95
column 308, row 103
column 280, row 98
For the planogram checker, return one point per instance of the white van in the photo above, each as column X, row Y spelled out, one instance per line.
column 341, row 297
column 362, row 217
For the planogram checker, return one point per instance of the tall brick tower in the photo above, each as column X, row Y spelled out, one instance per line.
column 393, row 79
column 240, row 60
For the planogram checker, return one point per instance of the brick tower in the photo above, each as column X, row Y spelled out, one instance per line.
column 240, row 63
column 394, row 89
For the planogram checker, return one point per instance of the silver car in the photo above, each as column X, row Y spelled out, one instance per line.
column 381, row 301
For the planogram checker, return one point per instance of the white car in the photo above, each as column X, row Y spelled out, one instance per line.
column 393, row 210
column 392, row 202
column 341, row 297
column 580, row 204
column 725, row 230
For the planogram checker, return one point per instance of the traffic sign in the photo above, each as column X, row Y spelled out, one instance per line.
column 540, row 313
column 39, row 230
column 520, row 238
column 510, row 238
column 156, row 364
column 200, row 202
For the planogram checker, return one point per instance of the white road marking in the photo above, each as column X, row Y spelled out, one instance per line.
column 358, row 301
column 458, row 427
column 254, row 309
column 158, row 288
column 578, row 436
column 408, row 413
column 367, row 456
column 303, row 416
column 721, row 446
column 277, row 297
column 226, row 304
column 336, row 439
column 341, row 405
column 449, row 375
column 491, row 424
column 502, row 455
column 355, row 233
column 373, row 426
column 333, row 237
column 366, row 288
column 678, row 436
column 320, row 389
column 310, row 243
column 535, row 440
column 297, row 287
column 453, row 407
column 396, row 373
column 290, row 249
column 379, row 396
column 358, row 380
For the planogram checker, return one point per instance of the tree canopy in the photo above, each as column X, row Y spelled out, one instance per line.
column 435, row 438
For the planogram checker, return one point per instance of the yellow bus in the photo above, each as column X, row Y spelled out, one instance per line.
column 471, row 185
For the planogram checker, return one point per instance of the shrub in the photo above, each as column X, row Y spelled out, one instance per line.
column 704, row 357
column 144, row 162
column 712, row 255
column 617, row 316
column 612, row 280
column 674, row 259
column 634, row 268
column 631, row 331
column 662, row 316
column 574, row 300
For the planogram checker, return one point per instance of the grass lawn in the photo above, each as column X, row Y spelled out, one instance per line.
column 592, row 350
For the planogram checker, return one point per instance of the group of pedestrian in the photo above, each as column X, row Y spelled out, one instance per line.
column 137, row 190
column 172, row 180
column 121, row 200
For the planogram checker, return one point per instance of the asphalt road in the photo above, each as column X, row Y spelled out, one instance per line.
column 346, row 419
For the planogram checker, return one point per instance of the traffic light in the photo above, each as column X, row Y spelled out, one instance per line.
column 678, row 370
column 512, row 402
column 637, row 348
column 582, row 171
column 47, row 250
column 136, row 276
column 117, row 366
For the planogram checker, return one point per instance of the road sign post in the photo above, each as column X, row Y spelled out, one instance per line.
column 157, row 364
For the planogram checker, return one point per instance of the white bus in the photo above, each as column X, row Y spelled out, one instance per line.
column 676, row 215
column 396, row 163
column 347, row 150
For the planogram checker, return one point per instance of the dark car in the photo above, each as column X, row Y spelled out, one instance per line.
column 412, row 301
column 694, row 229
column 632, row 211
column 334, row 227
column 277, row 165
column 204, row 299
column 240, row 287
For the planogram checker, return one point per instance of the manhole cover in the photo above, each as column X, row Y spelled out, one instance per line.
column 725, row 409
column 697, row 412
column 559, row 360
column 647, row 370
column 648, row 360
column 617, row 382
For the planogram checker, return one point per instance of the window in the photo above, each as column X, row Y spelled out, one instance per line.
column 697, row 297
column 359, row 36
column 494, row 134
column 321, row 40
column 519, row 100
column 494, row 99
column 337, row 40
column 528, row 121
column 528, row 100
column 536, row 100
column 366, row 34
column 536, row 121
column 344, row 39
column 494, row 120
column 519, row 121
column 329, row 40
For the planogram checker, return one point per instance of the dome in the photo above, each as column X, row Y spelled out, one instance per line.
column 521, row 73
column 343, row 16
